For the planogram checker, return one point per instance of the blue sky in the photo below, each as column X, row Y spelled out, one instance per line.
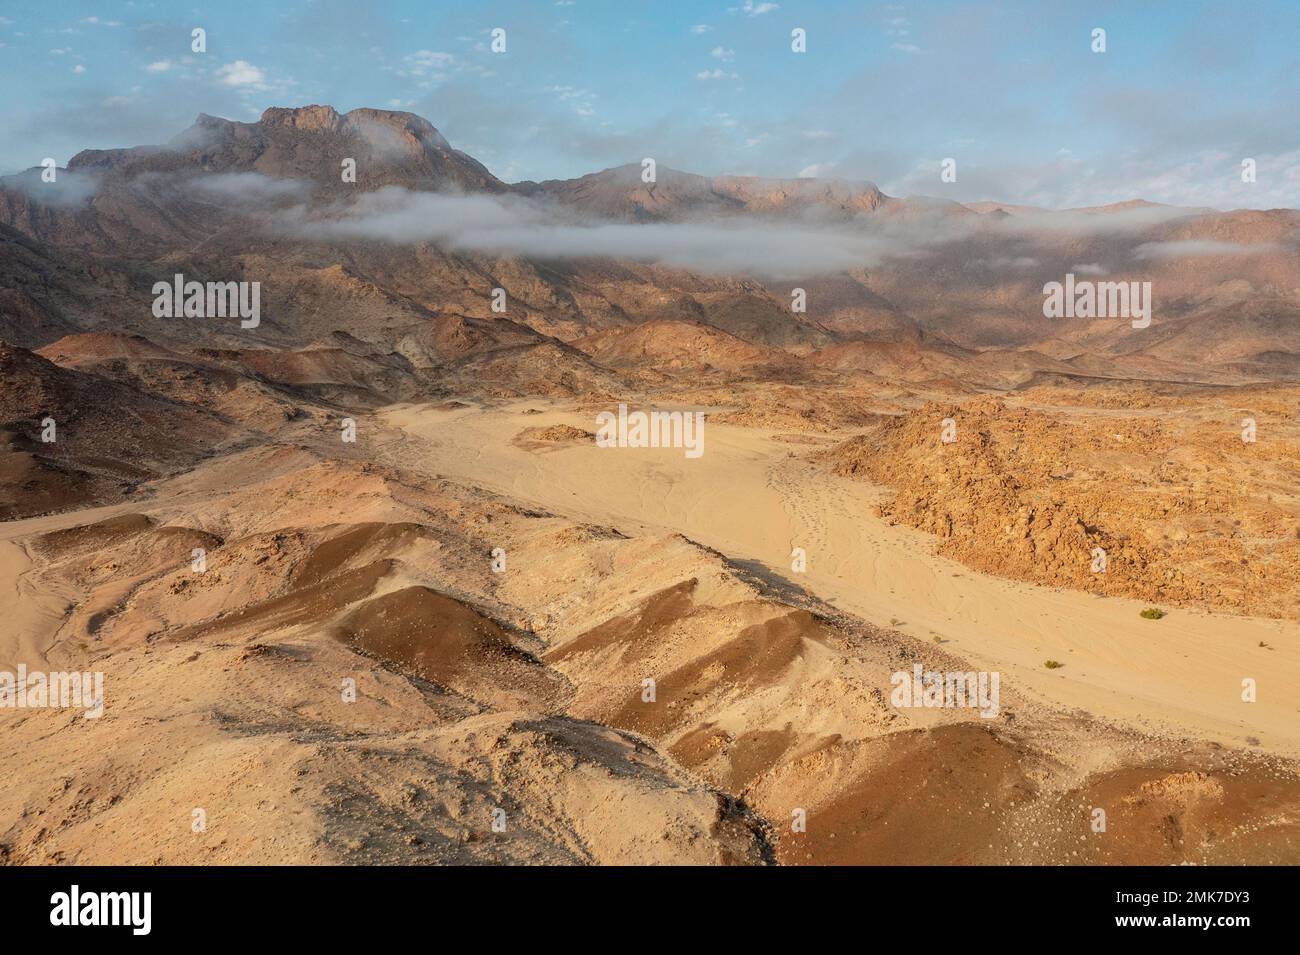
column 885, row 91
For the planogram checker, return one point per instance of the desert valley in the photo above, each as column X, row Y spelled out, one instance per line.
column 366, row 584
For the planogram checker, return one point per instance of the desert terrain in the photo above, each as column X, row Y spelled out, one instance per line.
column 365, row 587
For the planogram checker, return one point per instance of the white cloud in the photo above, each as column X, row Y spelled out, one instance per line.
column 78, row 68
column 159, row 66
column 715, row 74
column 422, row 62
column 777, row 247
column 723, row 54
column 70, row 189
column 898, row 26
column 751, row 9
column 582, row 101
column 506, row 226
column 242, row 73
column 816, row 170
column 906, row 47
column 1189, row 247
column 1002, row 262
column 701, row 28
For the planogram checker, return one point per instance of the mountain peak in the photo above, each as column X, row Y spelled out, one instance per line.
column 621, row 192
column 309, row 143
column 303, row 117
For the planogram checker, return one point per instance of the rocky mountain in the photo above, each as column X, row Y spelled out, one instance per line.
column 622, row 193
column 309, row 143
column 73, row 436
column 256, row 202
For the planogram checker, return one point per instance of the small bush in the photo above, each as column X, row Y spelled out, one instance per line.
column 1153, row 613
column 1053, row 664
